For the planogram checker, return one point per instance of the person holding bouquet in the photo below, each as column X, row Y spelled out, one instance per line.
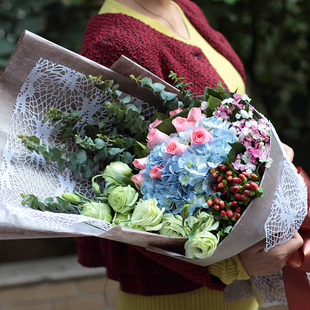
column 164, row 36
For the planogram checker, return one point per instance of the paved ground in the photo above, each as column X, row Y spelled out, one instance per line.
column 55, row 284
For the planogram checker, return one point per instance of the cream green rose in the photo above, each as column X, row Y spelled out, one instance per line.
column 201, row 245
column 122, row 219
column 172, row 226
column 208, row 223
column 118, row 167
column 122, row 199
column 97, row 210
column 147, row 215
column 125, row 220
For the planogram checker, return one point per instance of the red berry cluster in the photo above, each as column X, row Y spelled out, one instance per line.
column 237, row 190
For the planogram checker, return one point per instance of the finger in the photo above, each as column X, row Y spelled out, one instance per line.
column 295, row 243
column 289, row 247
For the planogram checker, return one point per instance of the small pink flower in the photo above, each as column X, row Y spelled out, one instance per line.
column 176, row 111
column 200, row 135
column 155, row 136
column 194, row 115
column 155, row 123
column 237, row 97
column 155, row 171
column 180, row 124
column 175, row 147
column 138, row 179
column 140, row 163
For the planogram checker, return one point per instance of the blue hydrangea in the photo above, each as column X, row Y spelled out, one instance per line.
column 186, row 178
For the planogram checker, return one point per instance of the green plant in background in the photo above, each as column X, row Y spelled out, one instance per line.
column 60, row 21
column 272, row 39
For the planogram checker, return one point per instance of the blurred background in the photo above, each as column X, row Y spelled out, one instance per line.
column 271, row 37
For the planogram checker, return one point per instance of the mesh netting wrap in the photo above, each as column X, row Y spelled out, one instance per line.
column 287, row 214
column 48, row 85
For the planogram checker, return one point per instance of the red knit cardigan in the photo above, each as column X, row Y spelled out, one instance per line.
column 107, row 37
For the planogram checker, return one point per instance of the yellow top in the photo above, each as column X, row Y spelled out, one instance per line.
column 225, row 69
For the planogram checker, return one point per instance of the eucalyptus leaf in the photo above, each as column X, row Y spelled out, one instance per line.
column 81, row 157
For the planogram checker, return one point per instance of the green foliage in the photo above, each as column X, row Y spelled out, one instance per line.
column 272, row 39
column 49, row 204
column 60, row 21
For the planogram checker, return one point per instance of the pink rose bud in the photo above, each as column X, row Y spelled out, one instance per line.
column 155, row 123
column 194, row 115
column 176, row 111
column 155, row 136
column 175, row 147
column 140, row 163
column 155, row 171
column 200, row 135
column 180, row 124
column 138, row 179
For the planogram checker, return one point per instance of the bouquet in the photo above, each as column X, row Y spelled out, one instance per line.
column 199, row 179
column 203, row 167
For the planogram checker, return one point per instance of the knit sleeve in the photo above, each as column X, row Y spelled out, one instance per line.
column 229, row 270
column 195, row 273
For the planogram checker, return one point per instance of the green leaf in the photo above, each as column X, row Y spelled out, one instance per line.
column 228, row 229
column 166, row 126
column 236, row 148
column 159, row 115
column 61, row 164
column 100, row 144
column 55, row 153
column 115, row 150
column 127, row 158
column 145, row 81
column 71, row 165
column 42, row 148
column 87, row 169
column 213, row 103
column 81, row 157
column 126, row 100
column 157, row 87
column 34, row 140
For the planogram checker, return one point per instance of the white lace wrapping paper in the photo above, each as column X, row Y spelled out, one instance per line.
column 48, row 85
column 52, row 85
column 287, row 214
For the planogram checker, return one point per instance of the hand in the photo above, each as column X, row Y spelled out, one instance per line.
column 260, row 263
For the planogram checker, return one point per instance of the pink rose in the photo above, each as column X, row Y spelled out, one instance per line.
column 140, row 163
column 155, row 123
column 155, row 136
column 138, row 179
column 155, row 171
column 176, row 111
column 200, row 135
column 175, row 147
column 180, row 124
column 194, row 115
